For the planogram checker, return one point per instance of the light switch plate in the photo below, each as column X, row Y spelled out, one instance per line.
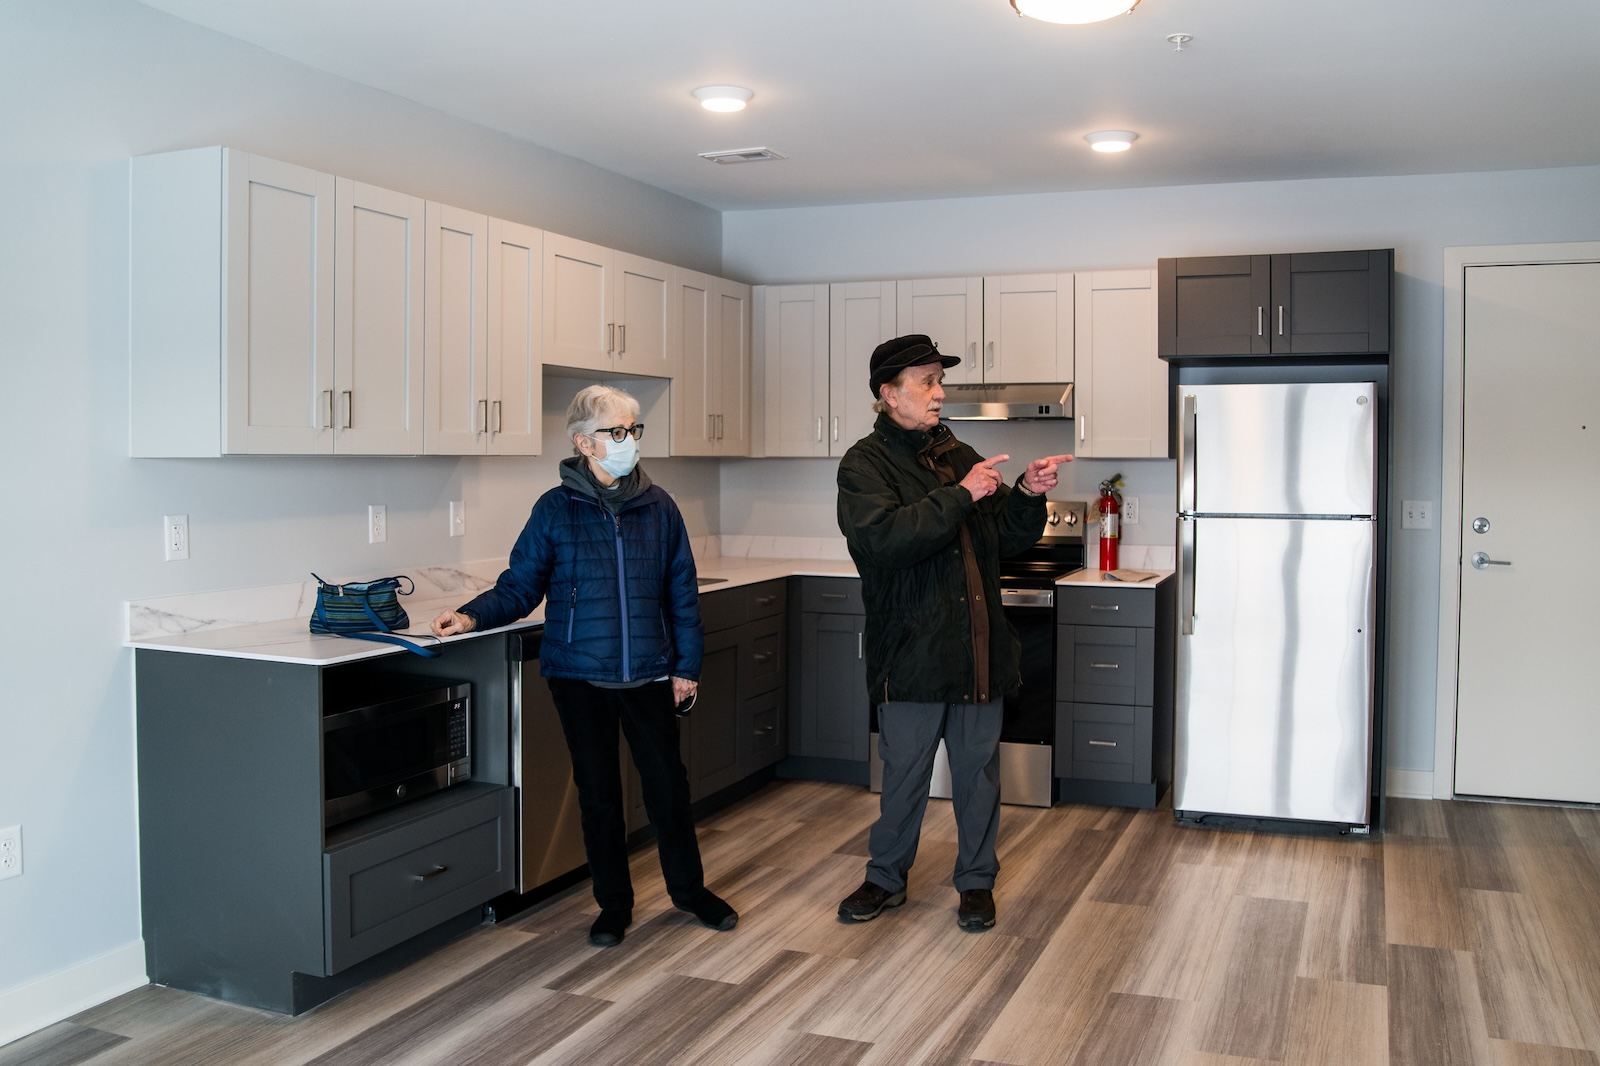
column 1416, row 514
column 458, row 518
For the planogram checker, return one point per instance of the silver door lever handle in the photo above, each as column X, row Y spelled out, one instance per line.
column 1481, row 561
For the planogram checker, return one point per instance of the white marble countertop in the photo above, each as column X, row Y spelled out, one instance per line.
column 289, row 640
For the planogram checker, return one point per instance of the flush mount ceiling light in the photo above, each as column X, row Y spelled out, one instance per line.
column 1112, row 140
column 1073, row 12
column 722, row 97
column 743, row 155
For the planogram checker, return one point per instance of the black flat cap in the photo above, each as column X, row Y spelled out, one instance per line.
column 914, row 349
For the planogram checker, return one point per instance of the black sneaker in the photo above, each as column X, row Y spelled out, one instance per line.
column 607, row 930
column 710, row 908
column 976, row 912
column 869, row 901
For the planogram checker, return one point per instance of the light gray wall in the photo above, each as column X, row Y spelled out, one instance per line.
column 84, row 85
column 1418, row 216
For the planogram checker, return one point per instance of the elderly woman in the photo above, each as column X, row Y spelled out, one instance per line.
column 608, row 552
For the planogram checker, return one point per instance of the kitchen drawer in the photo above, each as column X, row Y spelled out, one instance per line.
column 1106, row 664
column 831, row 595
column 1094, row 605
column 766, row 669
column 1102, row 742
column 385, row 888
column 1123, row 751
column 726, row 608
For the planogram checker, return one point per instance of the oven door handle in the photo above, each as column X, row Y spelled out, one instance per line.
column 1027, row 597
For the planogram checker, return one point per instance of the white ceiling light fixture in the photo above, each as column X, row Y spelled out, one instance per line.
column 743, row 155
column 1112, row 140
column 722, row 97
column 1073, row 12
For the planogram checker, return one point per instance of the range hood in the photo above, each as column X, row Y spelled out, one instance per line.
column 1002, row 402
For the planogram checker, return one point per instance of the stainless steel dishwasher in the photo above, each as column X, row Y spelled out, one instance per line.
column 549, row 834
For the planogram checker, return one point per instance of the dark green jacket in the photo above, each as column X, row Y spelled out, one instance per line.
column 903, row 531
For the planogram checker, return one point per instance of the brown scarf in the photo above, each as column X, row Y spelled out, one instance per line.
column 935, row 458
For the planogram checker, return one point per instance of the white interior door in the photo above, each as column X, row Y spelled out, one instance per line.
column 1528, row 694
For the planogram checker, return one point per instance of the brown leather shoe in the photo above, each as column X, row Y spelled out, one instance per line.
column 869, row 901
column 976, row 912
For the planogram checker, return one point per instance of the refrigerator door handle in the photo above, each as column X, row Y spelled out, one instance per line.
column 1186, row 546
column 1186, row 439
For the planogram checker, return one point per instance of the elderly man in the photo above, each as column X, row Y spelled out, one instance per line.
column 927, row 521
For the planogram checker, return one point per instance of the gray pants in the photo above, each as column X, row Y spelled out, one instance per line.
column 908, row 740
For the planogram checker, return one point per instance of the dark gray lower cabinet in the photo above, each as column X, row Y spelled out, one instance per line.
column 828, row 683
column 245, row 894
column 1114, row 693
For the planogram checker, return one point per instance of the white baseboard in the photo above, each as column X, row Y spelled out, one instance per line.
column 30, row 1007
column 1409, row 784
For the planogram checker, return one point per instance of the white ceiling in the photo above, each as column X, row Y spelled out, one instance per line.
column 879, row 100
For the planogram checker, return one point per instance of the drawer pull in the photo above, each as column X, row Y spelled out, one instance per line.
column 766, row 601
column 437, row 870
column 1104, row 607
column 835, row 595
column 1104, row 666
column 1102, row 743
column 761, row 656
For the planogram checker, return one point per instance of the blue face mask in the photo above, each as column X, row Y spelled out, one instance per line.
column 621, row 457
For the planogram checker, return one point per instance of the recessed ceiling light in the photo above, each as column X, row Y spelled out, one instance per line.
column 1073, row 12
column 1112, row 140
column 722, row 97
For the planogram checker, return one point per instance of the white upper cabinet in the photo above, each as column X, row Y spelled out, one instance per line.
column 516, row 337
column 605, row 310
column 795, row 356
column 456, row 316
column 861, row 317
column 950, row 311
column 1120, row 395
column 377, row 320
column 275, row 310
column 711, row 341
column 1027, row 328
column 484, row 377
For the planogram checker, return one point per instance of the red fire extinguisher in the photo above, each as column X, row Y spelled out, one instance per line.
column 1110, row 507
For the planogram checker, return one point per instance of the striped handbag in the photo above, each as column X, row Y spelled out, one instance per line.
column 366, row 610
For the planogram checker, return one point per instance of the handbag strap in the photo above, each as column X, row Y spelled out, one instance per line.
column 390, row 638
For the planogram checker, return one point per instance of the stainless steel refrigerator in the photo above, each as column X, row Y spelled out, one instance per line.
column 1277, row 584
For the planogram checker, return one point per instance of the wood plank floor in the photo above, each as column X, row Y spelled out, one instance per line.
column 1468, row 933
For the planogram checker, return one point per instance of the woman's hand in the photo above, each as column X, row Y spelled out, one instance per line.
column 682, row 689
column 452, row 623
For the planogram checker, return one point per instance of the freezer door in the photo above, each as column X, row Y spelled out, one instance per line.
column 1281, row 449
column 1274, row 677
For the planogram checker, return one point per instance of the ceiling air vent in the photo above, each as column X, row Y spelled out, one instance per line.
column 742, row 155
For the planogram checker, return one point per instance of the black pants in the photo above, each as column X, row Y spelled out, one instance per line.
column 590, row 717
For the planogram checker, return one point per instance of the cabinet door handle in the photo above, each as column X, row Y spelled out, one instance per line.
column 431, row 874
column 1259, row 312
column 1102, row 743
column 989, row 361
column 819, row 429
column 711, row 427
column 499, row 418
column 1104, row 607
column 761, row 657
column 766, row 601
column 836, row 428
column 972, row 355
column 328, row 421
column 622, row 339
column 349, row 407
column 720, row 433
column 1280, row 320
column 483, row 416
column 861, row 644
column 1083, row 428
column 1104, row 666
column 611, row 338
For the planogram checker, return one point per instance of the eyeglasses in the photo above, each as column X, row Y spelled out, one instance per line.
column 618, row 432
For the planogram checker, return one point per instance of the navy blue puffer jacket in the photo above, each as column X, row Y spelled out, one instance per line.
column 595, row 570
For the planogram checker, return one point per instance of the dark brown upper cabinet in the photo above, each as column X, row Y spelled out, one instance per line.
column 1304, row 303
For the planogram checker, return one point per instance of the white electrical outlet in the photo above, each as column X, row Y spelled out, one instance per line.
column 377, row 523
column 1416, row 514
column 458, row 518
column 10, row 852
column 175, row 535
column 1130, row 510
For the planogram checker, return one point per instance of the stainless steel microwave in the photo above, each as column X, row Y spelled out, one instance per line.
column 414, row 737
